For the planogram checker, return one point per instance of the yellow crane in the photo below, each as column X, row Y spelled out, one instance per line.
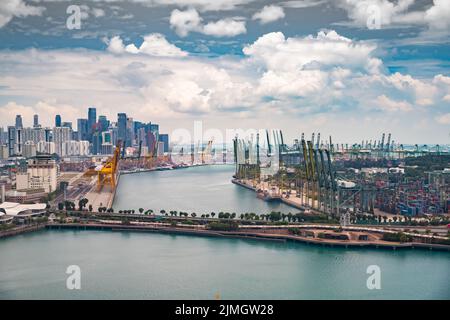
column 106, row 174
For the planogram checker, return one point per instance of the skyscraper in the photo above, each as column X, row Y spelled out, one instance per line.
column 11, row 140
column 60, row 136
column 104, row 123
column 19, row 121
column 57, row 120
column 92, row 119
column 122, row 127
column 35, row 121
column 82, row 127
column 164, row 138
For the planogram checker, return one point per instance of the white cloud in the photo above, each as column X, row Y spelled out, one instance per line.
column 269, row 14
column 17, row 8
column 300, row 4
column 443, row 119
column 387, row 104
column 326, row 50
column 225, row 28
column 202, row 5
column 47, row 109
column 287, row 78
column 116, row 45
column 185, row 21
column 435, row 18
column 154, row 44
column 98, row 12
column 189, row 20
column 360, row 11
column 438, row 15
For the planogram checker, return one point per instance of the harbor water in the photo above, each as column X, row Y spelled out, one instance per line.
column 134, row 265
column 202, row 189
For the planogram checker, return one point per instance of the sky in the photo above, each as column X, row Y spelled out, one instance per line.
column 346, row 68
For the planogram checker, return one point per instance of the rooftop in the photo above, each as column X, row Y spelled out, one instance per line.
column 14, row 208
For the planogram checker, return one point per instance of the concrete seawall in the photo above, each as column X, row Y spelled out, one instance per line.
column 250, row 235
column 113, row 196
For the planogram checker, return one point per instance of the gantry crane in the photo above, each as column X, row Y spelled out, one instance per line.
column 106, row 174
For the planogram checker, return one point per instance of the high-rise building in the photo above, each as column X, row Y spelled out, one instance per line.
column 160, row 149
column 130, row 132
column 75, row 148
column 164, row 138
column 48, row 135
column 3, row 137
column 4, row 151
column 96, row 143
column 45, row 147
column 60, row 136
column 19, row 123
column 122, row 127
column 29, row 149
column 92, row 120
column 104, row 123
column 114, row 133
column 57, row 120
column 35, row 121
column 19, row 141
column 35, row 134
column 82, row 128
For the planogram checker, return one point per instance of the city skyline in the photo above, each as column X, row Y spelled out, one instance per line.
column 305, row 66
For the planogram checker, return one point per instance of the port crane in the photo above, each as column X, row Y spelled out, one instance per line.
column 106, row 173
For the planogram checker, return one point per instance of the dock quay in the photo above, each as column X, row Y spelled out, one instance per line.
column 284, row 200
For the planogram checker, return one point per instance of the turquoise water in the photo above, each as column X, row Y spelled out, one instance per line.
column 201, row 190
column 126, row 265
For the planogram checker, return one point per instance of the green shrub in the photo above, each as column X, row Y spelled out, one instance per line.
column 223, row 226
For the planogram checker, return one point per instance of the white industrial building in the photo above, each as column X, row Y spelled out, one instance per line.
column 41, row 174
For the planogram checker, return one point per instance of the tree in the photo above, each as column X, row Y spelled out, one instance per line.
column 141, row 210
column 213, row 214
column 162, row 211
column 82, row 203
column 275, row 216
column 289, row 216
column 193, row 214
column 61, row 206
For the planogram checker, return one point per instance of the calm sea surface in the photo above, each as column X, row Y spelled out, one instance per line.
column 125, row 265
column 203, row 189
